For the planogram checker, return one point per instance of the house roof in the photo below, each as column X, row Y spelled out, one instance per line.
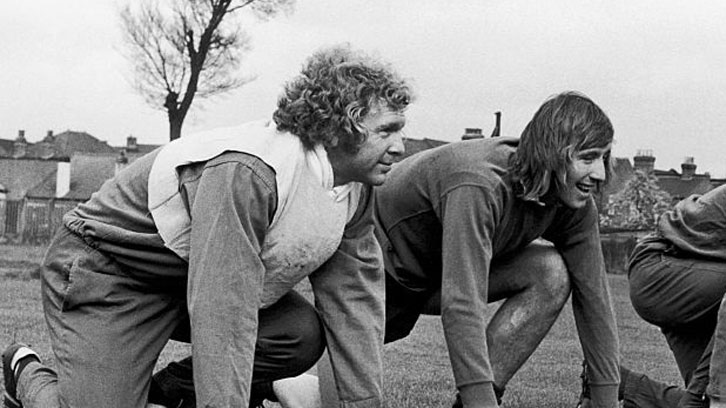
column 62, row 145
column 716, row 182
column 140, row 150
column 70, row 142
column 88, row 172
column 680, row 188
column 23, row 175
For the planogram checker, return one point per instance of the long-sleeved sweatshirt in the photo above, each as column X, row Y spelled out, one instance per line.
column 446, row 214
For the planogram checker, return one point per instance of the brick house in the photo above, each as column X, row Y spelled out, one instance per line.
column 41, row 181
column 678, row 184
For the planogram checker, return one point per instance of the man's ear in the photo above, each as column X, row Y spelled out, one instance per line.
column 332, row 142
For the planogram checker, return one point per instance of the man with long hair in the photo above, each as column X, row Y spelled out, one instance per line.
column 460, row 227
column 211, row 233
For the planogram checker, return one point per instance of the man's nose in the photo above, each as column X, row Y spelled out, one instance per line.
column 598, row 170
column 396, row 148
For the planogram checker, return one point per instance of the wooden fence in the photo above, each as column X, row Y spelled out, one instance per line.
column 617, row 246
column 32, row 220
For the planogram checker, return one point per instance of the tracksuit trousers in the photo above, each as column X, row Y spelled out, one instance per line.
column 107, row 328
column 682, row 296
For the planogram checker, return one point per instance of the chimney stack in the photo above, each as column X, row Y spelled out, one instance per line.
column 131, row 145
column 644, row 161
column 47, row 146
column 472, row 133
column 20, row 144
column 688, row 168
column 497, row 124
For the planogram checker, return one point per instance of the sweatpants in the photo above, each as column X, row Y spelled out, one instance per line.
column 107, row 329
column 681, row 295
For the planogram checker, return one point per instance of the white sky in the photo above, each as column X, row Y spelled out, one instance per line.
column 655, row 66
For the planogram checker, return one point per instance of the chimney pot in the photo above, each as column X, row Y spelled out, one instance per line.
column 20, row 145
column 131, row 144
column 472, row 133
column 48, row 137
column 688, row 168
column 644, row 161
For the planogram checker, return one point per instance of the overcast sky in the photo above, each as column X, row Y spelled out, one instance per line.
column 657, row 67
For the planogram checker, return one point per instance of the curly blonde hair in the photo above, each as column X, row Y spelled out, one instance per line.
column 336, row 89
column 565, row 124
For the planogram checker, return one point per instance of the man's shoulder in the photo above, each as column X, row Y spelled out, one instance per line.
column 241, row 160
column 475, row 153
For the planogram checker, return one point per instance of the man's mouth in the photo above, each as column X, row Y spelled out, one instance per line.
column 585, row 188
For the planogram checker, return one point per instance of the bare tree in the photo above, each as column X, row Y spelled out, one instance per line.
column 182, row 49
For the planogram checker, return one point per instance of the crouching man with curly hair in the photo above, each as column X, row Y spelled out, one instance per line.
column 204, row 239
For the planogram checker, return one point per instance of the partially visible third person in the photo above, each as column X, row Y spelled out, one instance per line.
column 677, row 277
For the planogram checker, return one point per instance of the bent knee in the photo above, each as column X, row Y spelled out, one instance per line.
column 307, row 339
column 553, row 275
column 290, row 336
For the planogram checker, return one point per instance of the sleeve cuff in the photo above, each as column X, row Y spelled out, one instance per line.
column 478, row 394
column 604, row 396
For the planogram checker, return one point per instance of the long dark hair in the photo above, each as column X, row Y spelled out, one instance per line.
column 565, row 124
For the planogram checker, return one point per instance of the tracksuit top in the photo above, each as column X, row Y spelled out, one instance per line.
column 237, row 217
column 696, row 226
column 293, row 246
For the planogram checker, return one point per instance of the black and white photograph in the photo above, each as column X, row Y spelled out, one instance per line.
column 362, row 204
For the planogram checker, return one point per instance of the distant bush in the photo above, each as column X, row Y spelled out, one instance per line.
column 638, row 206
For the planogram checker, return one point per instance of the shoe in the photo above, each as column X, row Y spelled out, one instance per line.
column 257, row 403
column 457, row 402
column 585, row 384
column 11, row 359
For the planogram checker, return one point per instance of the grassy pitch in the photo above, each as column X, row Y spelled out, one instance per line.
column 417, row 371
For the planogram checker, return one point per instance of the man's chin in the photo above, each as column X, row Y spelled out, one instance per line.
column 377, row 180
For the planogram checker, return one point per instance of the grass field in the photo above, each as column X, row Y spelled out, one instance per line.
column 417, row 371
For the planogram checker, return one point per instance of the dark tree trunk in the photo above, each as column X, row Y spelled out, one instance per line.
column 175, row 127
column 175, row 114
